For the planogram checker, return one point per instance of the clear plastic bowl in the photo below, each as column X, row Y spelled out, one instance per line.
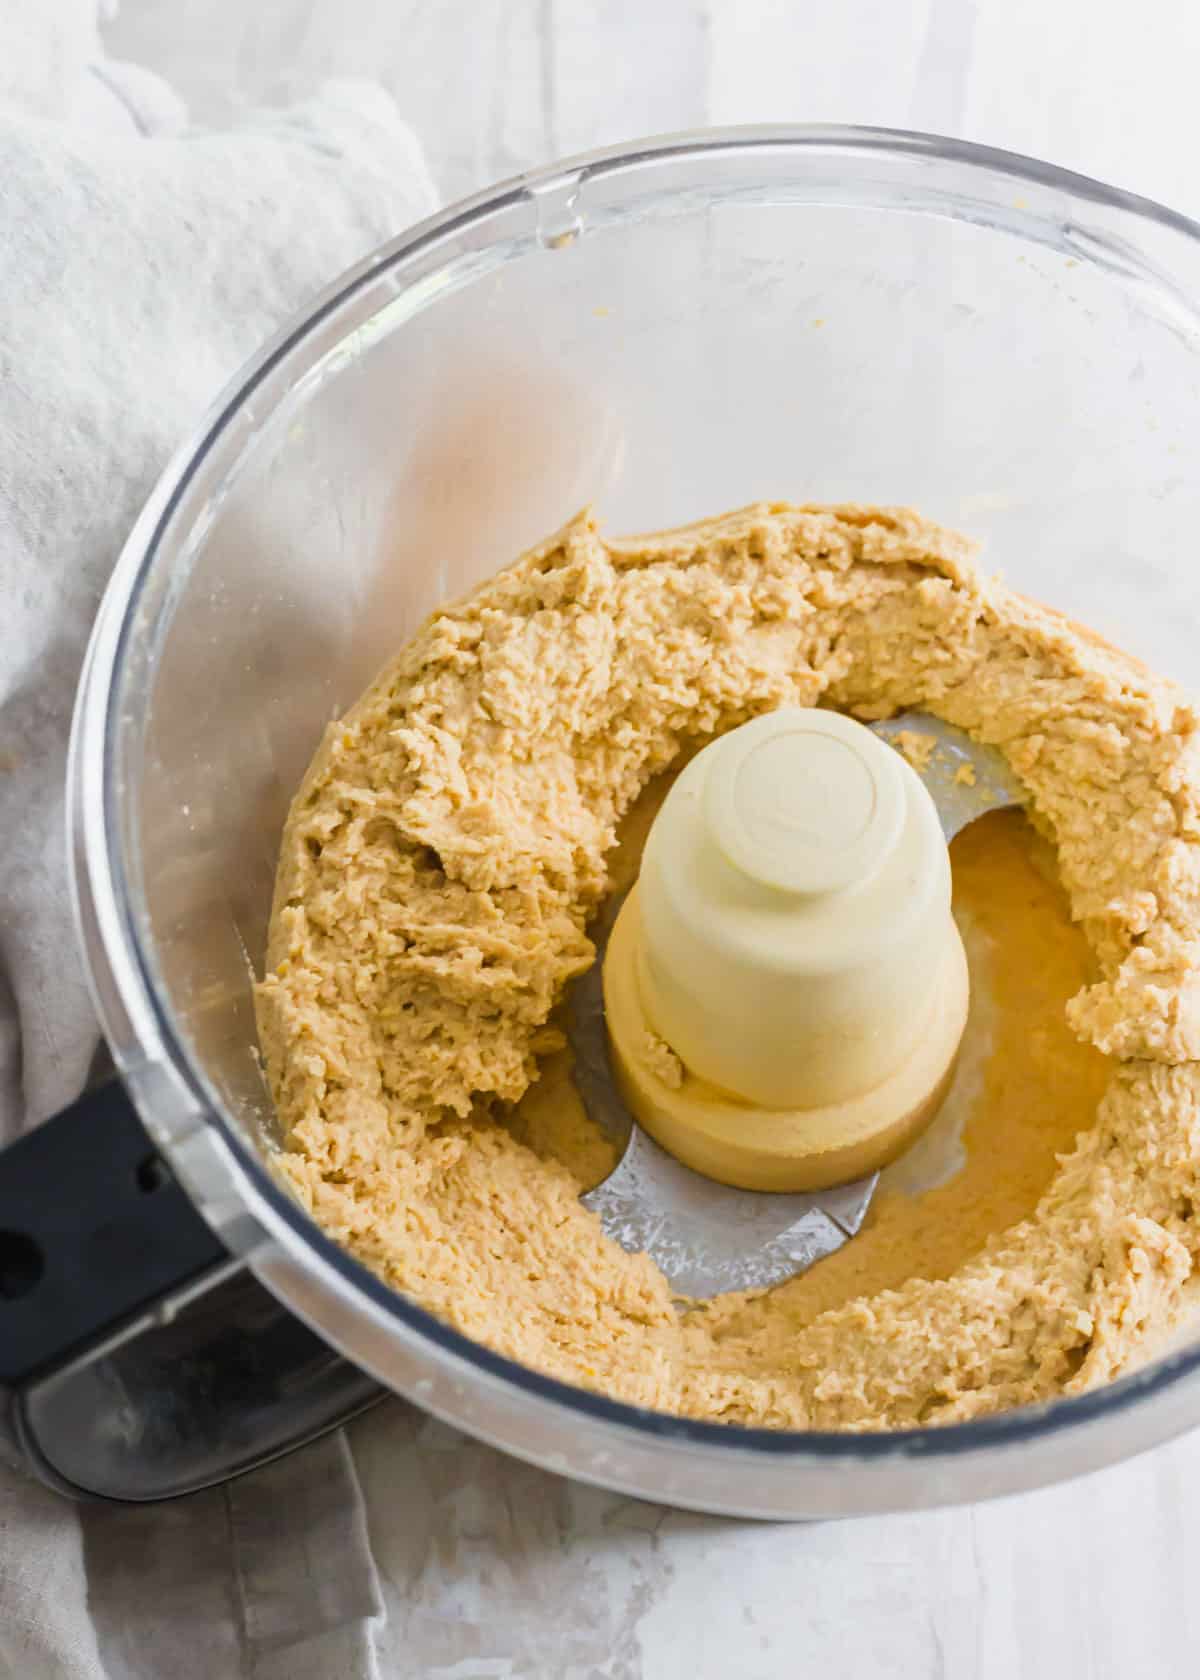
column 667, row 331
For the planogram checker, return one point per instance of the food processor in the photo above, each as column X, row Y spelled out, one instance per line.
column 664, row 330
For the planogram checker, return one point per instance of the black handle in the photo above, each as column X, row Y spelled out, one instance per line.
column 93, row 1230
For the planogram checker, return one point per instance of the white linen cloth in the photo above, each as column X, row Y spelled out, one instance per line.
column 140, row 263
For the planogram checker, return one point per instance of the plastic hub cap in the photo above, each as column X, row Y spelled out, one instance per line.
column 790, row 940
column 806, row 802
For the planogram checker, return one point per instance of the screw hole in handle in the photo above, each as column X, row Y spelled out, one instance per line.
column 21, row 1265
column 153, row 1174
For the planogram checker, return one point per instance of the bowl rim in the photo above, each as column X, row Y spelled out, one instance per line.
column 127, row 989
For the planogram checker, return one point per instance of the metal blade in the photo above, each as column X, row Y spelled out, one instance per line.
column 708, row 1238
column 965, row 779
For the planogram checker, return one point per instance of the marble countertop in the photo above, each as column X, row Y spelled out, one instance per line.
column 499, row 1570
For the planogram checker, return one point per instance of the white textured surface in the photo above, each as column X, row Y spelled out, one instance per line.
column 492, row 1570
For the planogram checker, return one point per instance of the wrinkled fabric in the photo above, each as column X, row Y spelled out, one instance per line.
column 140, row 264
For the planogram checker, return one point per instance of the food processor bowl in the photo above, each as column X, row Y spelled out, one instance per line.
column 664, row 331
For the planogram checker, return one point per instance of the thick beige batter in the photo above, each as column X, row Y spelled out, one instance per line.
column 448, row 847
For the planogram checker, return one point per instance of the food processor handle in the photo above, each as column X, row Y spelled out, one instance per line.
column 139, row 1360
column 94, row 1230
